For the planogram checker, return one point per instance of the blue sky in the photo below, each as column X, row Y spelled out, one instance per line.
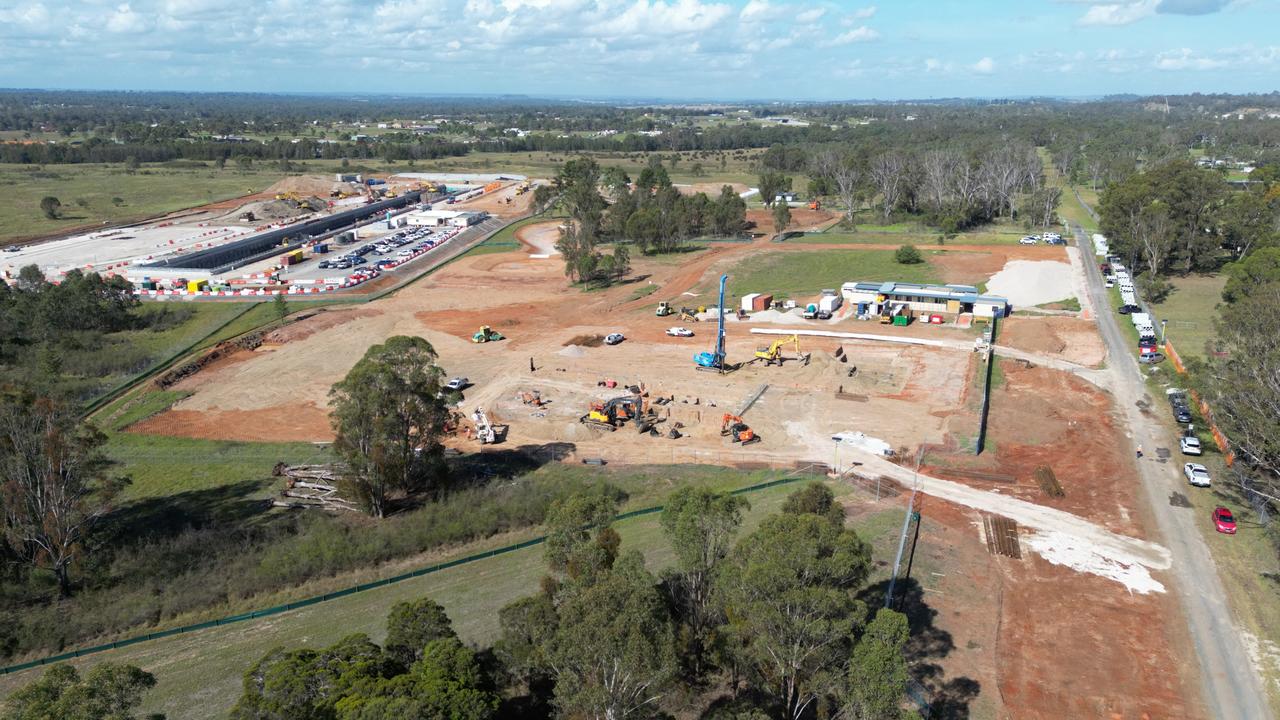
column 692, row 49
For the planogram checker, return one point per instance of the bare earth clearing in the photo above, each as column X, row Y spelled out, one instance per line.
column 1079, row 624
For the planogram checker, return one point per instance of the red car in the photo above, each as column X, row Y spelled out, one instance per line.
column 1224, row 521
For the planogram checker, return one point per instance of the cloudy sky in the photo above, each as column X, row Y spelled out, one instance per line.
column 695, row 49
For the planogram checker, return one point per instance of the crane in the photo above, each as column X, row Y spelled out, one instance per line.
column 714, row 360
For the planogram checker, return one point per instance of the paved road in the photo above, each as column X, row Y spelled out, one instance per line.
column 1231, row 687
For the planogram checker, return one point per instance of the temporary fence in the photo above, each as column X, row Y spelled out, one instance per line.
column 981, row 442
column 352, row 590
column 1218, row 437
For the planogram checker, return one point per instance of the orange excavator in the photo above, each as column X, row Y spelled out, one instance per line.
column 737, row 430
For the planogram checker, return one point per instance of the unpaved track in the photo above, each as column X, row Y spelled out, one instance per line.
column 1119, row 548
column 1231, row 686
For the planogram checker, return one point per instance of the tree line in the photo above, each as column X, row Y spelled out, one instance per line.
column 763, row 624
column 653, row 216
column 951, row 188
column 1176, row 217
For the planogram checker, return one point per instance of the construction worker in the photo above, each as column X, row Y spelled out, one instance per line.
column 1139, row 452
column 531, row 367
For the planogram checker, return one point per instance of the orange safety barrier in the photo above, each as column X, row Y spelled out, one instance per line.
column 1218, row 438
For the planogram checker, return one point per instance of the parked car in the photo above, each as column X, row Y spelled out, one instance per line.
column 1028, row 240
column 1150, row 358
column 1109, row 282
column 1129, row 309
column 614, row 338
column 679, row 332
column 1197, row 474
column 1178, row 402
column 457, row 383
column 1147, row 344
column 1223, row 521
column 1190, row 445
column 325, row 264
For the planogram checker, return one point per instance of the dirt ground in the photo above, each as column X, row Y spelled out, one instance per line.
column 801, row 219
column 541, row 238
column 711, row 189
column 1071, row 339
column 1022, row 637
column 495, row 203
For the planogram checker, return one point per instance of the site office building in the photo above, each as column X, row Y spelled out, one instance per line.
column 954, row 299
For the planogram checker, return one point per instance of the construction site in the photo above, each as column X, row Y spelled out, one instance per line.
column 296, row 237
column 1044, row 585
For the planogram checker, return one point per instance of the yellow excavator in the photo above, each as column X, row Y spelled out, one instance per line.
column 772, row 355
column 615, row 413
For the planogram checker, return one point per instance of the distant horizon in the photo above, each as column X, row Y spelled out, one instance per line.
column 811, row 50
column 654, row 100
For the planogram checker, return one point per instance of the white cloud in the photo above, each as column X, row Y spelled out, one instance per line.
column 125, row 20
column 985, row 66
column 679, row 17
column 1121, row 13
column 934, row 65
column 863, row 13
column 811, row 15
column 1186, row 59
column 857, row 35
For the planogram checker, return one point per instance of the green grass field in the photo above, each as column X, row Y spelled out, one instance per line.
column 788, row 274
column 87, row 193
column 1070, row 207
column 160, row 465
column 199, row 673
column 1191, row 309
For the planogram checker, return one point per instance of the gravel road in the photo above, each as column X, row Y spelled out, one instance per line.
column 1231, row 685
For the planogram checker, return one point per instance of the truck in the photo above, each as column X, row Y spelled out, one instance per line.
column 828, row 304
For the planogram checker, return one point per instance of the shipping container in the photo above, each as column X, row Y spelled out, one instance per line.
column 749, row 301
column 197, row 285
column 321, row 248
column 762, row 301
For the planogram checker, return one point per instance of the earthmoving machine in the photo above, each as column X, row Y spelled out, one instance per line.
column 688, row 315
column 815, row 204
column 486, row 334
column 714, row 360
column 737, row 430
column 615, row 413
column 664, row 309
column 484, row 429
column 532, row 398
column 772, row 355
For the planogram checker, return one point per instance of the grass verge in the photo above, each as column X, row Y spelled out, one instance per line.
column 199, row 674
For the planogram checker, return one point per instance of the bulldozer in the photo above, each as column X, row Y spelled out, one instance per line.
column 772, row 355
column 737, row 430
column 688, row 315
column 486, row 334
column 664, row 309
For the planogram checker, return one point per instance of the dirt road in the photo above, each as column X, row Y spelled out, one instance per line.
column 1231, row 685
